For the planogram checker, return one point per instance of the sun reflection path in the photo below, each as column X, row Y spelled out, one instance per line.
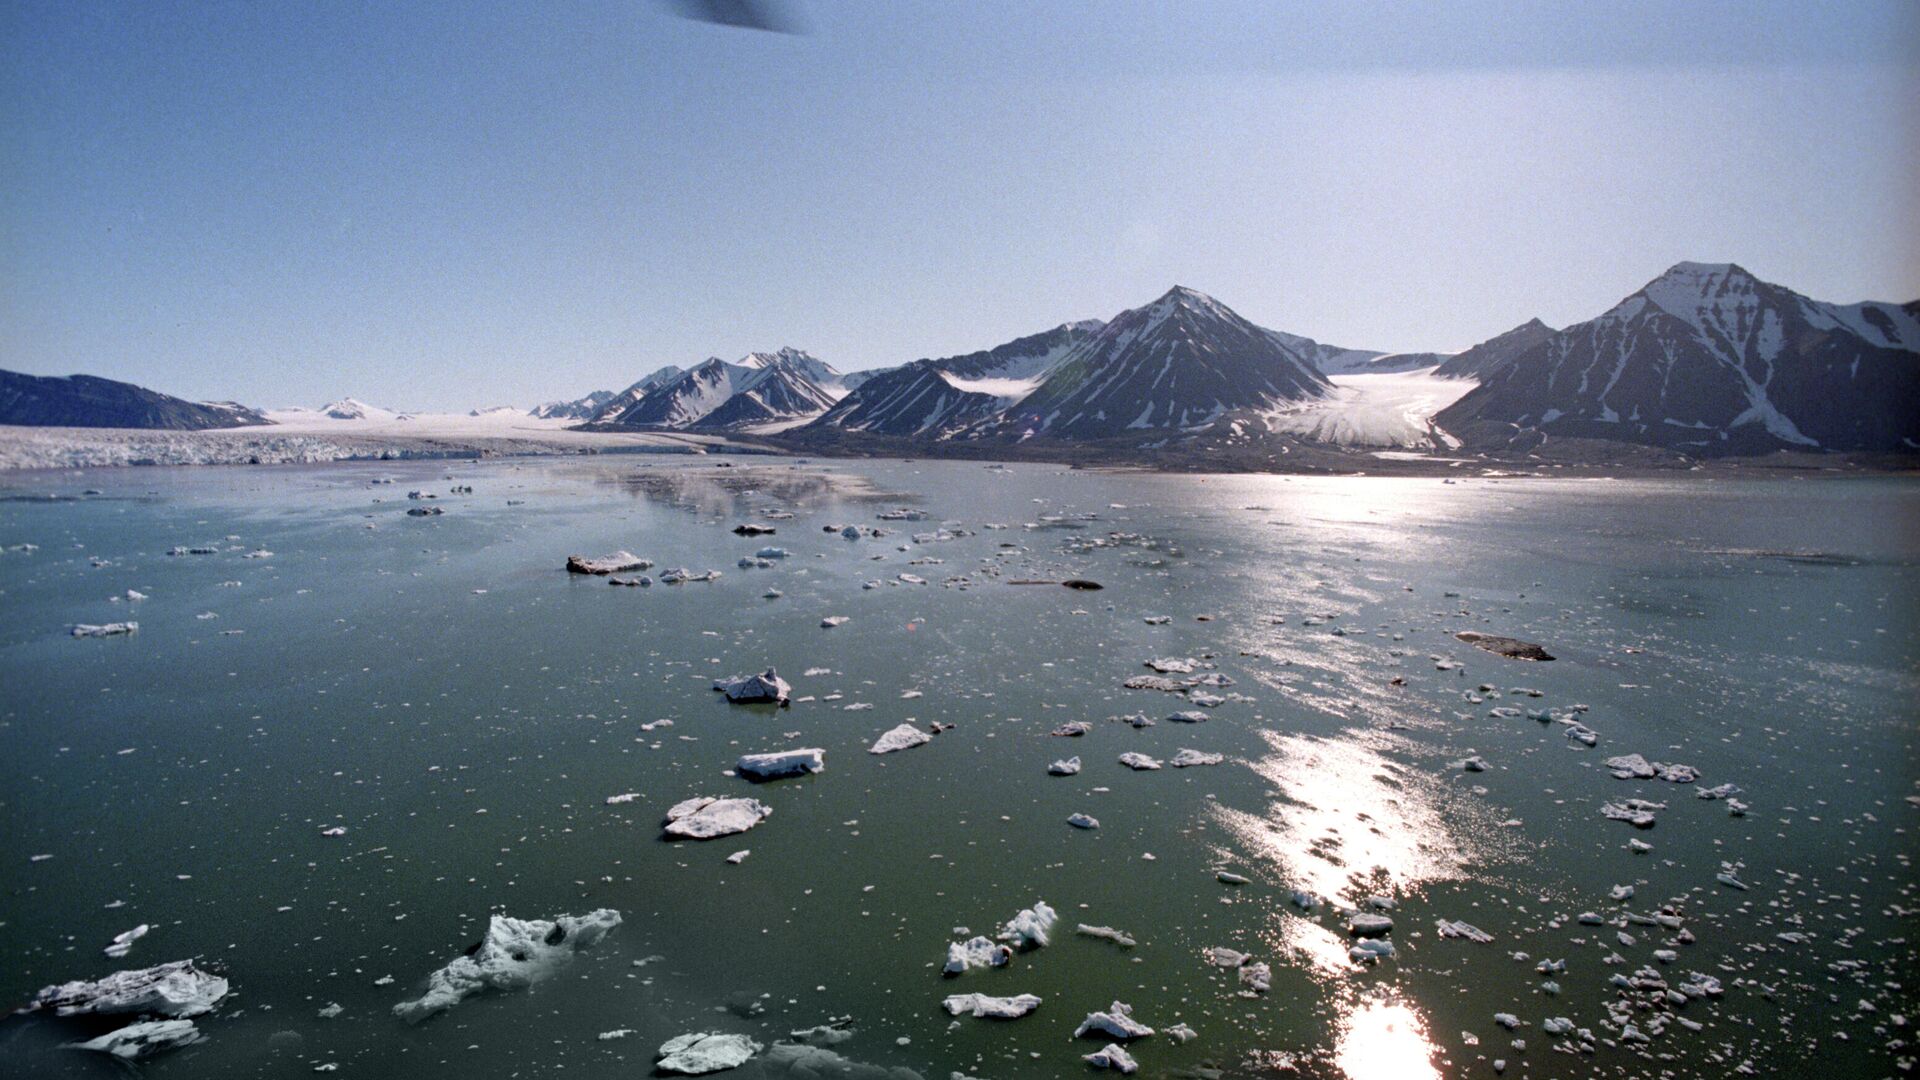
column 1353, row 821
column 1385, row 1040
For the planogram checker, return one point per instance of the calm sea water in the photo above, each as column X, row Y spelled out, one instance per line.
column 441, row 688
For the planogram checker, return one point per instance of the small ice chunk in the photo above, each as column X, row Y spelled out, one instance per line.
column 1367, row 924
column 123, row 941
column 607, row 564
column 1107, row 933
column 995, row 1008
column 1138, row 761
column 781, row 763
column 975, row 952
column 143, row 1040
column 1189, row 758
column 1083, row 821
column 703, row 818
column 1030, row 928
column 1228, row 877
column 105, row 629
column 1116, row 1022
column 704, row 1052
column 767, row 686
column 1112, row 1056
column 1466, row 930
column 1064, row 768
column 832, row 621
column 904, row 737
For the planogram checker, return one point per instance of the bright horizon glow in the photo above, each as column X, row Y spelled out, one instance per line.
column 435, row 210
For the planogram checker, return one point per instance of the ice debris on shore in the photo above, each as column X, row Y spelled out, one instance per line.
column 781, row 763
column 704, row 1052
column 705, row 817
column 513, row 956
column 767, row 686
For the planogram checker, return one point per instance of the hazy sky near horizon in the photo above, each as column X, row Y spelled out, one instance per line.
column 445, row 206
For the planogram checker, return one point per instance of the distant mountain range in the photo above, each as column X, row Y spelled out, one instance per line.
column 1709, row 360
column 1705, row 360
column 90, row 401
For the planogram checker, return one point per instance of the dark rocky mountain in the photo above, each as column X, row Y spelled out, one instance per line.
column 1481, row 360
column 1180, row 361
column 760, row 388
column 90, row 401
column 937, row 398
column 1709, row 360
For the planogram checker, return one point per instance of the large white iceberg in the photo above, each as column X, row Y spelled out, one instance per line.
column 177, row 990
column 703, row 818
column 513, row 956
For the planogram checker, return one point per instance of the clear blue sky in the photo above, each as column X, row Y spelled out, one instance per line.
column 440, row 206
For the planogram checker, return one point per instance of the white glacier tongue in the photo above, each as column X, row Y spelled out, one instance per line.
column 513, row 956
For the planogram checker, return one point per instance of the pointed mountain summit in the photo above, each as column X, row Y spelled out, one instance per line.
column 1484, row 358
column 1710, row 360
column 758, row 388
column 1180, row 361
column 937, row 398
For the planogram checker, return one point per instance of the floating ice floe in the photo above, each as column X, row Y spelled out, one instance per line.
column 781, row 763
column 513, row 956
column 607, row 564
column 176, row 990
column 1630, row 767
column 1112, row 1056
column 739, row 857
column 1030, row 928
column 680, row 575
column 904, row 737
column 1072, row 729
column 1476, row 763
column 143, row 1040
column 771, row 553
column 1189, row 758
column 1636, row 812
column 767, row 686
column 1083, row 821
column 1370, row 950
column 1228, row 877
column 1512, row 648
column 1369, row 924
column 832, row 621
column 1191, row 716
column 995, row 1008
column 704, row 818
column 1457, row 929
column 1172, row 665
column 704, row 1052
column 1116, row 1022
column 750, row 529
column 1106, row 933
column 975, row 952
column 1138, row 761
column 123, row 941
column 105, row 629
column 1067, row 767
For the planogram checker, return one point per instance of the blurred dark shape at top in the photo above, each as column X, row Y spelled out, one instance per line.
column 779, row 16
